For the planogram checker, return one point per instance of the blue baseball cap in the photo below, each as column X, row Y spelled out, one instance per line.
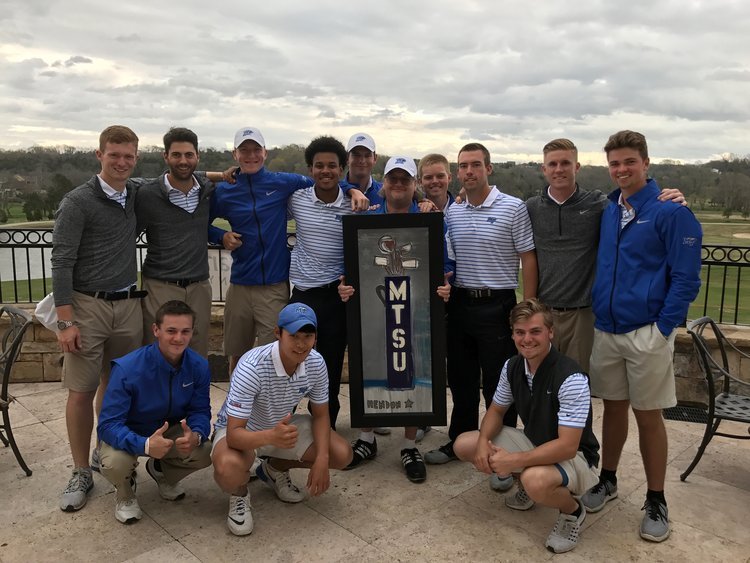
column 296, row 315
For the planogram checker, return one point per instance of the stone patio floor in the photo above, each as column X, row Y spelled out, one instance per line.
column 369, row 514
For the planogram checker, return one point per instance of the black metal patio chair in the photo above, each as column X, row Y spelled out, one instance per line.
column 19, row 321
column 728, row 396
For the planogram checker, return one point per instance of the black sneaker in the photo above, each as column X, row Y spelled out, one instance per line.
column 362, row 451
column 443, row 454
column 416, row 471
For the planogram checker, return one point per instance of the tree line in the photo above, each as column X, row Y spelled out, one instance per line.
column 38, row 177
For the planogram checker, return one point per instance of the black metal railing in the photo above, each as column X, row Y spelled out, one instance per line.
column 25, row 273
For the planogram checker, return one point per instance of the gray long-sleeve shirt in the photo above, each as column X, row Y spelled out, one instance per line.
column 93, row 242
column 177, row 240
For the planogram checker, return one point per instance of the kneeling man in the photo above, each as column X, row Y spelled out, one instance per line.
column 554, row 454
column 258, row 419
column 157, row 405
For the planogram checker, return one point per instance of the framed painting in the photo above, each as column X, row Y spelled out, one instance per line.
column 395, row 319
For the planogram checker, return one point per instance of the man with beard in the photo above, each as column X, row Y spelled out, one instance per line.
column 173, row 210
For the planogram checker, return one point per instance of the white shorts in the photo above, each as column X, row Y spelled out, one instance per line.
column 302, row 421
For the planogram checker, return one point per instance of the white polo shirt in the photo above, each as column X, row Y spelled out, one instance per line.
column 487, row 239
column 263, row 393
column 318, row 255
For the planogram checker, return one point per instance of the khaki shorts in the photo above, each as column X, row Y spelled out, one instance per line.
column 252, row 311
column 574, row 334
column 109, row 330
column 303, row 422
column 580, row 477
column 636, row 367
column 197, row 295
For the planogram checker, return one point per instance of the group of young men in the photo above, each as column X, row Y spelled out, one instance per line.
column 640, row 281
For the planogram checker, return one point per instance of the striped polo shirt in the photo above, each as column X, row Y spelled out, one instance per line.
column 318, row 255
column 187, row 201
column 574, row 396
column 120, row 197
column 487, row 239
column 263, row 393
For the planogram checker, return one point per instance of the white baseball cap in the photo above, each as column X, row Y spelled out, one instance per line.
column 360, row 140
column 404, row 163
column 249, row 134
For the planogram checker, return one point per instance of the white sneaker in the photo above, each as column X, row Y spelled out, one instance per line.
column 382, row 431
column 166, row 490
column 240, row 519
column 280, row 482
column 128, row 511
column 254, row 467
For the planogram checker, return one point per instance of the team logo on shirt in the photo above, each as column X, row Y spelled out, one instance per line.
column 396, row 296
column 491, row 220
column 303, row 389
column 235, row 404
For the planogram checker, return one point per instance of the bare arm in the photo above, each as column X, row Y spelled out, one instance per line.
column 530, row 274
column 554, row 451
column 318, row 480
column 492, row 424
column 283, row 435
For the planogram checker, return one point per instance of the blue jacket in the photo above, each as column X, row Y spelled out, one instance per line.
column 650, row 270
column 372, row 193
column 255, row 206
column 144, row 391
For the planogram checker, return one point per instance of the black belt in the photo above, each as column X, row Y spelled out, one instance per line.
column 181, row 283
column 131, row 293
column 484, row 292
column 333, row 285
column 566, row 309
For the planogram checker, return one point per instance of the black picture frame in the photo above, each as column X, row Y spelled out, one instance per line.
column 380, row 252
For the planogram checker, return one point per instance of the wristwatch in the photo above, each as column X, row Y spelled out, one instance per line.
column 62, row 325
column 200, row 438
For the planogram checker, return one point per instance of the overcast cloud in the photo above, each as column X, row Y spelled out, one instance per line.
column 419, row 76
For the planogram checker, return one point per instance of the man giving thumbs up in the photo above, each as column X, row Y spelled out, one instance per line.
column 256, row 420
column 156, row 405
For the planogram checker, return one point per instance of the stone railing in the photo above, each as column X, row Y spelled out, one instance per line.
column 41, row 360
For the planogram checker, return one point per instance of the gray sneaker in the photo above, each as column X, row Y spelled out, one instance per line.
column 501, row 484
column 382, row 431
column 95, row 463
column 520, row 501
column 75, row 494
column 442, row 455
column 421, row 431
column 564, row 536
column 655, row 523
column 597, row 496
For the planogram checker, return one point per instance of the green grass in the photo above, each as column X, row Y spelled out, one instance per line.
column 19, row 292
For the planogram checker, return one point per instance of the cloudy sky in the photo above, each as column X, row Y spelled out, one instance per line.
column 419, row 76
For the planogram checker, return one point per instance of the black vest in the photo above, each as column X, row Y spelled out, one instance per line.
column 539, row 406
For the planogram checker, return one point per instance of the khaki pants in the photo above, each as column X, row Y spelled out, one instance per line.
column 574, row 334
column 117, row 465
column 197, row 295
column 250, row 311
